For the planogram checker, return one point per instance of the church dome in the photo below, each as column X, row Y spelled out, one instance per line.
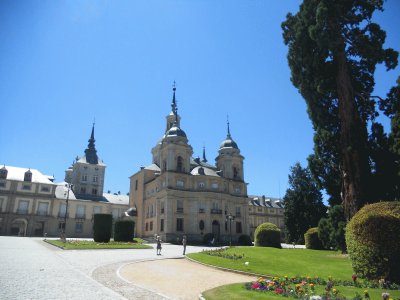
column 228, row 143
column 175, row 131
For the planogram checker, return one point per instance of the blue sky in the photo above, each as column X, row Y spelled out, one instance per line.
column 65, row 63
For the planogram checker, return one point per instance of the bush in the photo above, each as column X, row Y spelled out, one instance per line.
column 207, row 238
column 312, row 240
column 102, row 228
column 373, row 243
column 267, row 235
column 124, row 231
column 245, row 240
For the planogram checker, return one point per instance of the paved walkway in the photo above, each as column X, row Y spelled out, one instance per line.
column 33, row 269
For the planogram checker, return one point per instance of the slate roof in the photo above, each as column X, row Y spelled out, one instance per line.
column 269, row 202
column 83, row 160
column 207, row 171
column 16, row 173
column 62, row 191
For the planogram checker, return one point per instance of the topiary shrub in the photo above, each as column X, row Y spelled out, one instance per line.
column 102, row 228
column 373, row 243
column 207, row 238
column 312, row 240
column 245, row 240
column 267, row 235
column 124, row 231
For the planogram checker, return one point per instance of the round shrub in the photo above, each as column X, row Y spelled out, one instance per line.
column 124, row 231
column 373, row 243
column 102, row 228
column 245, row 240
column 267, row 235
column 312, row 240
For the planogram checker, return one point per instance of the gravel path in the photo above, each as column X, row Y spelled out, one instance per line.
column 178, row 278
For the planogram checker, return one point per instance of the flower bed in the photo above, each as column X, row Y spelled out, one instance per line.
column 222, row 253
column 304, row 287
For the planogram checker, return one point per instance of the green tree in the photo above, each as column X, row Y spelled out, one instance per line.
column 334, row 48
column 303, row 204
column 331, row 230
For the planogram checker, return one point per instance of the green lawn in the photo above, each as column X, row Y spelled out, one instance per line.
column 284, row 262
column 83, row 244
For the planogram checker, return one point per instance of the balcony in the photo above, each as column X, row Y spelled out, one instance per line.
column 216, row 211
column 42, row 213
column 80, row 216
column 62, row 214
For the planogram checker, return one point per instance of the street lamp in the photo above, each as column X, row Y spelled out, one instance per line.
column 69, row 186
column 230, row 218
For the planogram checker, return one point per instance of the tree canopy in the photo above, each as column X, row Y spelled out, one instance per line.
column 334, row 48
column 303, row 204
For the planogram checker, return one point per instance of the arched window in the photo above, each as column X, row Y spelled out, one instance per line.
column 179, row 164
column 235, row 172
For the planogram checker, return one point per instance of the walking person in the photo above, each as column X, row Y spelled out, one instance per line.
column 158, row 245
column 184, row 244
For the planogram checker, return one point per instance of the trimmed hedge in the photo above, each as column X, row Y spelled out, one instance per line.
column 373, row 242
column 245, row 240
column 102, row 228
column 312, row 240
column 267, row 235
column 124, row 231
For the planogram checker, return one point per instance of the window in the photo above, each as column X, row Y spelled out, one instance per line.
column 96, row 210
column 28, row 176
column 83, row 190
column 3, row 173
column 1, row 204
column 62, row 211
column 45, row 189
column 79, row 227
column 201, row 185
column 94, row 191
column 26, row 187
column 238, row 211
column 235, row 172
column 201, row 225
column 180, row 183
column 136, row 185
column 147, row 227
column 2, row 184
column 179, row 164
column 151, row 225
column 162, row 225
column 152, row 211
column 61, row 226
column 237, row 190
column 80, row 212
column 179, row 206
column 115, row 213
column 238, row 227
column 95, row 178
column 84, row 177
column 43, row 208
column 23, row 206
column 201, row 207
column 179, row 224
column 162, row 207
column 214, row 186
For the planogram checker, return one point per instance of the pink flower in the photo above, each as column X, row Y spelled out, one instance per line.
column 255, row 285
column 279, row 291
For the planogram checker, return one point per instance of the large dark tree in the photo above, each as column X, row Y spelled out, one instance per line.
column 303, row 204
column 334, row 48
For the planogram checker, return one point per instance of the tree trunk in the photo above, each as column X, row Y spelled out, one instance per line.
column 353, row 137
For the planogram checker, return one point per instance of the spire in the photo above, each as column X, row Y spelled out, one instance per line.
column 204, row 154
column 228, row 136
column 173, row 105
column 91, row 152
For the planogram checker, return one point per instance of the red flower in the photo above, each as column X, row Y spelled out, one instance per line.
column 279, row 291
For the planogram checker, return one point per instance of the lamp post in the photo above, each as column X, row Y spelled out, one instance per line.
column 69, row 186
column 230, row 218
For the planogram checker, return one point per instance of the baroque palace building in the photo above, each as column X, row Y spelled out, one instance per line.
column 31, row 204
column 178, row 194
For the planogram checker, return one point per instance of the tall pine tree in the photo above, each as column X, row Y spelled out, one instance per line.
column 303, row 204
column 334, row 48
